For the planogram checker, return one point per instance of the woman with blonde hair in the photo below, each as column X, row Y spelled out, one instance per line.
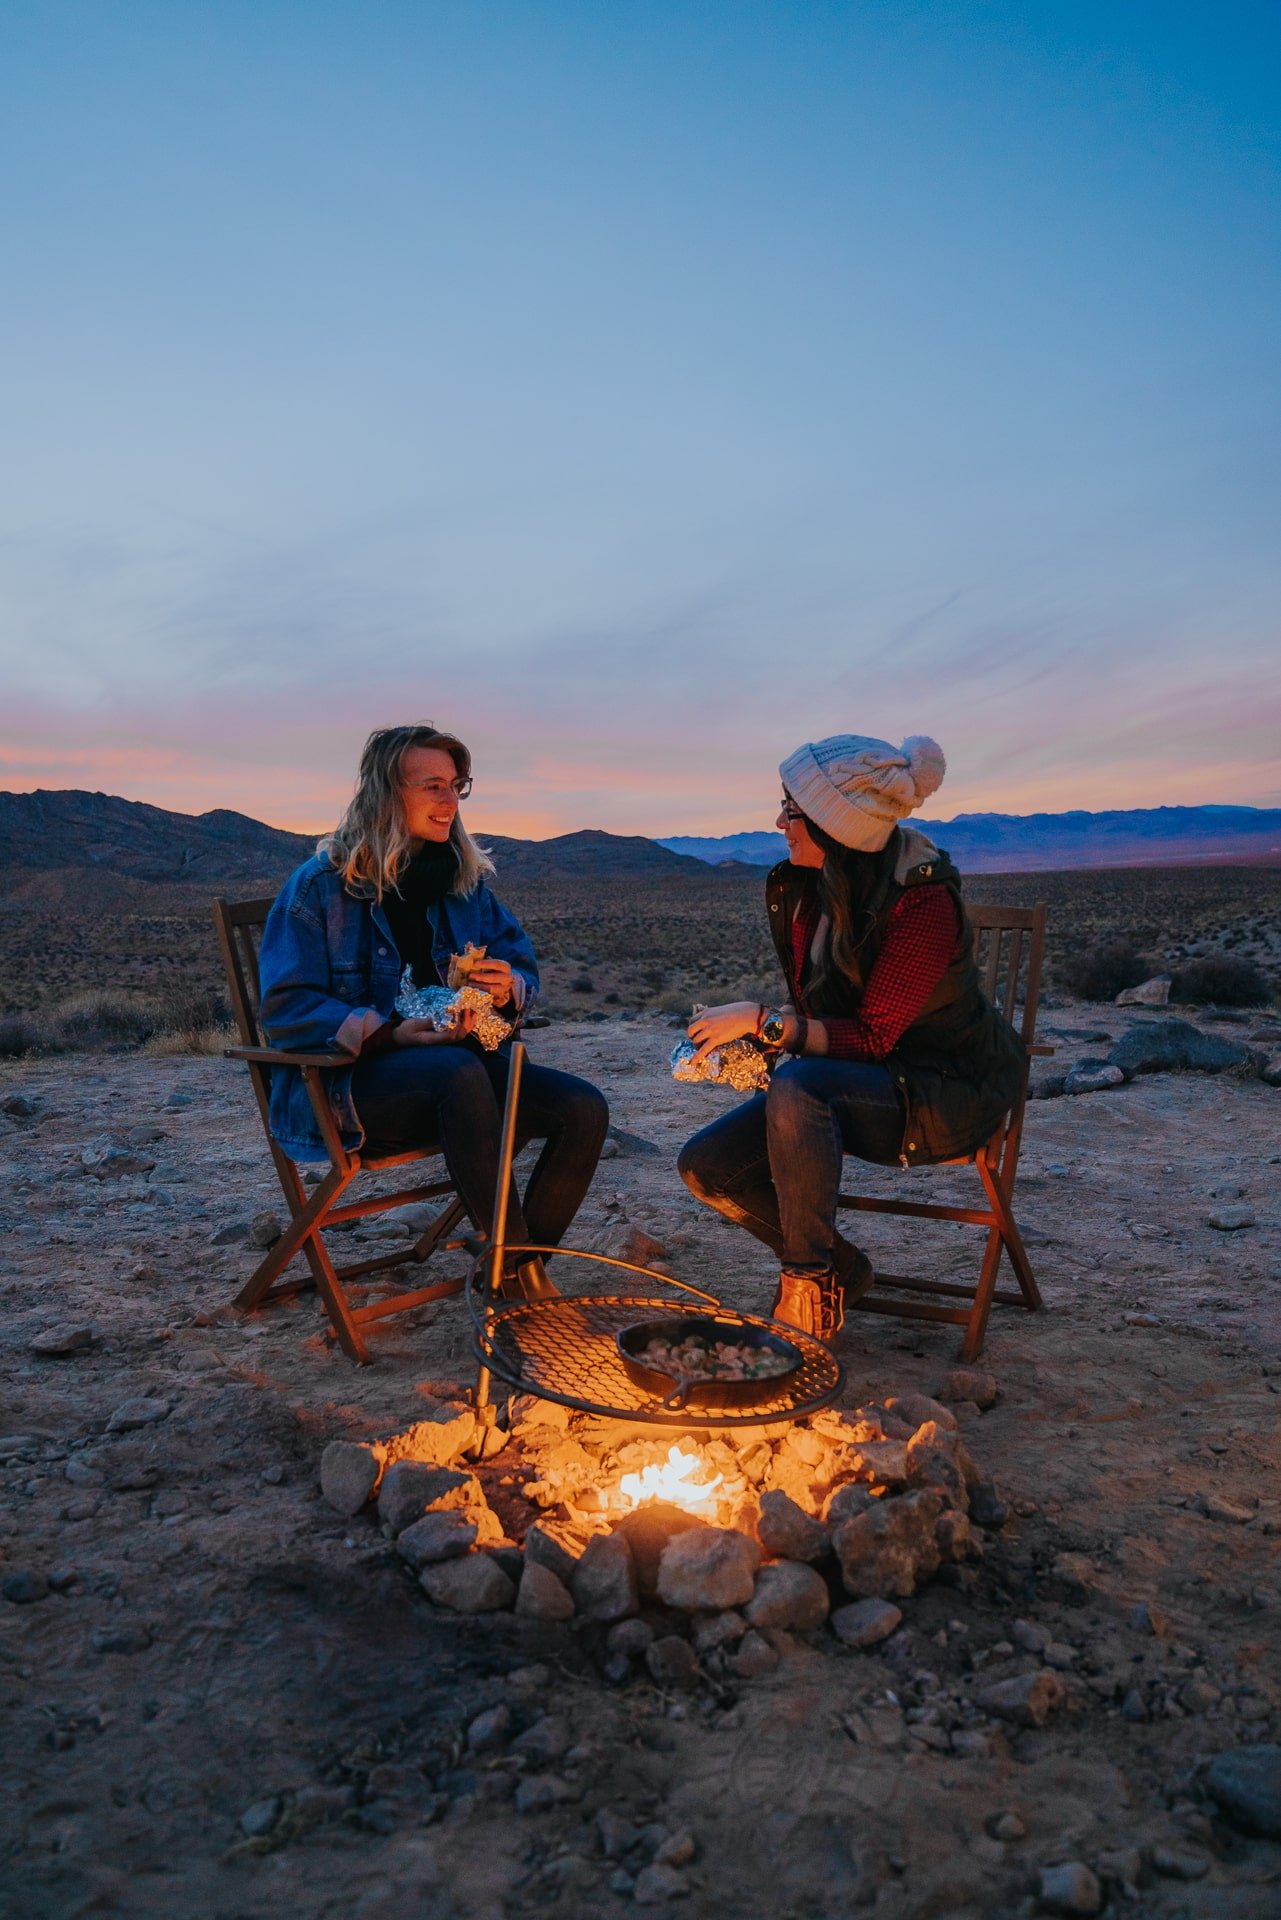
column 888, row 1048
column 401, row 883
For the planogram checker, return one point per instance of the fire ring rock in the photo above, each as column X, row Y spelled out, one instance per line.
column 437, row 1536
column 787, row 1531
column 604, row 1581
column 789, row 1595
column 474, row 1584
column 886, row 1551
column 541, row 1595
column 708, row 1569
column 348, row 1474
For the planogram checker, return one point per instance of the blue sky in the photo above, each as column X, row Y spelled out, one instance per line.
column 639, row 390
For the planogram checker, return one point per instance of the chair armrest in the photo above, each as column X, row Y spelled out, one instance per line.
column 278, row 1057
column 1040, row 1052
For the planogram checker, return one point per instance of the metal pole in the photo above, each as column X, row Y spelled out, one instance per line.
column 506, row 1155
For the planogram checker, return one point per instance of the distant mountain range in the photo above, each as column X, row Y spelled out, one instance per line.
column 99, row 853
column 1042, row 842
column 102, row 853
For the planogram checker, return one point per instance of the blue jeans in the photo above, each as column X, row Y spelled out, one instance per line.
column 773, row 1165
column 451, row 1099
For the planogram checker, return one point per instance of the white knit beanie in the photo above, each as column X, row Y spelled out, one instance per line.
column 858, row 789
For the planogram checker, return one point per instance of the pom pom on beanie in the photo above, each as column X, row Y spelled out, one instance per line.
column 858, row 789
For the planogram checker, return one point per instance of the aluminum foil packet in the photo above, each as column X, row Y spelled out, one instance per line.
column 441, row 1006
column 737, row 1064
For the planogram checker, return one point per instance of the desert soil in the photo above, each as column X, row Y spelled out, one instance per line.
column 216, row 1637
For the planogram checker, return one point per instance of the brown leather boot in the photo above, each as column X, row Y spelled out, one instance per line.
column 528, row 1281
column 809, row 1299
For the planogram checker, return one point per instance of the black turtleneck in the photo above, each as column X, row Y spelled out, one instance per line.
column 426, row 879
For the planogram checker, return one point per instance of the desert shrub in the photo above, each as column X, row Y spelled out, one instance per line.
column 103, row 1017
column 1221, row 980
column 582, row 983
column 171, row 1041
column 1101, row 972
column 22, row 1033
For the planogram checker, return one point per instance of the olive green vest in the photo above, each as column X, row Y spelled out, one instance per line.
column 960, row 1065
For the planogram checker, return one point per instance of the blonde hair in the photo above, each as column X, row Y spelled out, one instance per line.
column 370, row 845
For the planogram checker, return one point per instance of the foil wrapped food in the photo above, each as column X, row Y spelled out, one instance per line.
column 737, row 1064
column 442, row 1006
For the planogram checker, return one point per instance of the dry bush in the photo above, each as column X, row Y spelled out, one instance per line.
column 102, row 1017
column 21, row 1033
column 188, row 1040
column 1100, row 973
column 1221, row 980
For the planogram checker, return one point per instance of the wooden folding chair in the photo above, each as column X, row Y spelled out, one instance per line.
column 1009, row 945
column 240, row 925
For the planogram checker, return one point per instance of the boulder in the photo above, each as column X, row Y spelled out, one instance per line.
column 845, row 1501
column 436, row 1537
column 474, row 1584
column 882, row 1463
column 440, row 1437
column 1230, row 1219
column 886, row 1551
column 787, row 1532
column 917, row 1408
column 559, row 1548
column 1245, row 1785
column 348, row 1474
column 865, row 1622
column 789, row 1595
column 1093, row 1076
column 1176, row 1046
column 541, row 1595
column 604, row 1581
column 708, row 1569
column 1150, row 993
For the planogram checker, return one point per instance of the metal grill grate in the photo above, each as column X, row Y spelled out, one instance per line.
column 563, row 1349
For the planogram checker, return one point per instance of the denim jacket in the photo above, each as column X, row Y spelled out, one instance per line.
column 330, row 973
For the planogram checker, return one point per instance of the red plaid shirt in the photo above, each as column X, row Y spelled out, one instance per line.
column 918, row 947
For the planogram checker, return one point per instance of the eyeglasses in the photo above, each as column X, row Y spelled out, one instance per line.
column 789, row 809
column 439, row 789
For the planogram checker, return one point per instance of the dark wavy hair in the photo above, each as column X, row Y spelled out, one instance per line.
column 847, row 881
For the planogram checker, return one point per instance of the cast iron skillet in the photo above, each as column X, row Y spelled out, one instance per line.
column 677, row 1388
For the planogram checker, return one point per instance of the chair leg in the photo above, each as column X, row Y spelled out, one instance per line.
column 337, row 1305
column 976, row 1325
column 292, row 1240
column 1010, row 1234
column 443, row 1224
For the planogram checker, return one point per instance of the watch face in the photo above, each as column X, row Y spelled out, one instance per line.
column 772, row 1028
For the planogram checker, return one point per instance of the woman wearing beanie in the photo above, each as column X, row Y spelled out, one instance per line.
column 888, row 1050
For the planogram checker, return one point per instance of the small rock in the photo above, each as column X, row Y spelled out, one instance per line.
column 1028, row 1636
column 1007, row 1826
column 474, row 1584
column 541, row 1595
column 1246, row 1785
column 440, row 1437
column 265, row 1229
column 1230, row 1219
column 1198, row 1696
column 1180, row 1863
column 882, row 1463
column 1134, row 1707
column 1215, row 1507
column 787, row 1532
column 123, row 1639
column 106, row 1161
column 677, row 1850
column 550, row 1544
column 657, row 1884
column 17, row 1106
column 1270, row 1073
column 1027, row 1699
column 1059, row 1656
column 260, row 1818
column 672, row 1662
column 845, row 1501
column 647, row 1531
column 987, row 1508
column 137, row 1413
column 970, row 1383
column 491, row 1730
column 866, row 1622
column 636, row 1247
column 59, row 1341
column 603, row 1584
column 718, row 1630
column 617, row 1836
column 1070, row 1888
column 230, row 1235
column 1121, row 1865
column 790, row 1595
column 25, row 1587
column 61, row 1579
column 629, row 1638
column 436, row 1537
column 541, row 1792
column 178, row 1100
column 917, row 1408
column 755, row 1656
column 348, row 1474
column 1176, row 1046
column 1092, row 1076
column 708, row 1569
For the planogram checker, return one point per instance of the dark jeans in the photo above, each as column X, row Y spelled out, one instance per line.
column 773, row 1165
column 451, row 1098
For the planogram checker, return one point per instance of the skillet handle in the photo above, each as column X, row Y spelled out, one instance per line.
column 678, row 1395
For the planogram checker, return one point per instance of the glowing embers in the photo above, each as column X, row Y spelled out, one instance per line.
column 673, row 1480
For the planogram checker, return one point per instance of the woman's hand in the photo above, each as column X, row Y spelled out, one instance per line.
column 421, row 1032
column 714, row 1026
column 495, row 976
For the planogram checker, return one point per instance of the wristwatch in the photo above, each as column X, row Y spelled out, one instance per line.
column 772, row 1027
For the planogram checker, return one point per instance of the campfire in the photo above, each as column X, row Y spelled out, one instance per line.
column 715, row 1546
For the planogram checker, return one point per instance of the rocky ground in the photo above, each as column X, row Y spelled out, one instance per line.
column 223, row 1698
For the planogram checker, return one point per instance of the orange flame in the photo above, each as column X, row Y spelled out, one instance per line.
column 672, row 1481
